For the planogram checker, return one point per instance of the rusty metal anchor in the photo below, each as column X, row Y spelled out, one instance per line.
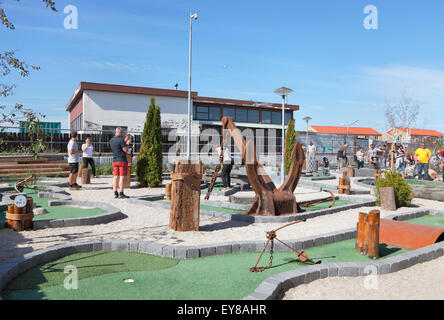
column 271, row 236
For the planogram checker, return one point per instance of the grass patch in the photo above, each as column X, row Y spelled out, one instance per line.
column 428, row 220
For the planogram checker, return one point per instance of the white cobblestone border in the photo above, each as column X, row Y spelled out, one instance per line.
column 271, row 288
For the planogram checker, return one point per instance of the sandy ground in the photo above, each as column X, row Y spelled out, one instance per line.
column 145, row 223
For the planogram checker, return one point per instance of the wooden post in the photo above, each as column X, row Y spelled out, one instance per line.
column 372, row 234
column 344, row 184
column 351, row 171
column 127, row 181
column 86, row 176
column 377, row 174
column 185, row 196
column 387, row 197
column 360, row 232
column 80, row 170
column 367, row 240
column 168, row 191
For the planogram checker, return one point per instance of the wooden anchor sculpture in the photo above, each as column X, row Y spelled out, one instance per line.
column 269, row 201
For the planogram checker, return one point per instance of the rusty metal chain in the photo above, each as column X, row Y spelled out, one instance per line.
column 216, row 171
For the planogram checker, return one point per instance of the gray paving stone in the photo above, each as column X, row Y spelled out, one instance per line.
column 322, row 269
column 168, row 252
column 348, row 269
column 329, row 238
column 235, row 247
column 307, row 243
column 133, row 246
column 57, row 223
column 106, row 245
column 367, row 268
column 332, row 269
column 98, row 245
column 311, row 274
column 340, row 236
column 83, row 247
column 119, row 245
column 207, row 250
column 193, row 252
column 180, row 252
column 257, row 296
column 319, row 241
column 154, row 248
column 223, row 248
column 247, row 246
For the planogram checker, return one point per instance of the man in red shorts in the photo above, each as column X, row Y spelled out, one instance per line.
column 120, row 164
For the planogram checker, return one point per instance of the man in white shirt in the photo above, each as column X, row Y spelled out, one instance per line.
column 73, row 161
column 311, row 155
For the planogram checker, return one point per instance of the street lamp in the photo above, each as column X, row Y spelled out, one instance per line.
column 283, row 92
column 306, row 119
column 192, row 16
column 349, row 125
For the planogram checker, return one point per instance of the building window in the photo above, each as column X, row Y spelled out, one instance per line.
column 207, row 113
column 266, row 117
column 276, row 118
column 214, row 113
column 229, row 112
column 253, row 116
column 241, row 115
column 77, row 123
column 287, row 117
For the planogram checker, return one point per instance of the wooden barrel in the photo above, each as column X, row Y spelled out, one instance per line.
column 351, row 171
column 168, row 191
column 387, row 197
column 80, row 170
column 86, row 176
column 20, row 219
column 127, row 180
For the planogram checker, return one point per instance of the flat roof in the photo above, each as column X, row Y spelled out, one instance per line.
column 168, row 93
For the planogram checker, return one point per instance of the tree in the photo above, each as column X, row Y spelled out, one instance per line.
column 31, row 120
column 154, row 170
column 290, row 141
column 142, row 160
column 403, row 113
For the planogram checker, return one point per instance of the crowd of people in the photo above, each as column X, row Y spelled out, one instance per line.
column 120, row 147
column 381, row 157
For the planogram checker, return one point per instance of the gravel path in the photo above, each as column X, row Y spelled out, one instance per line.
column 145, row 223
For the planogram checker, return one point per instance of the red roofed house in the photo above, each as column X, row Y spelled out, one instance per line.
column 413, row 135
column 362, row 133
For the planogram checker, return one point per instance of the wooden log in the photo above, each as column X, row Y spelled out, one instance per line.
column 360, row 232
column 80, row 170
column 185, row 196
column 387, row 197
column 372, row 234
column 86, row 176
column 127, row 180
column 377, row 174
column 168, row 191
column 351, row 171
column 20, row 219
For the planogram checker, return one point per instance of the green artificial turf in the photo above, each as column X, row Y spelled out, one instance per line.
column 57, row 212
column 424, row 183
column 326, row 204
column 428, row 220
column 218, row 277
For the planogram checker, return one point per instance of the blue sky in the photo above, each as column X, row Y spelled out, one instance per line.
column 339, row 71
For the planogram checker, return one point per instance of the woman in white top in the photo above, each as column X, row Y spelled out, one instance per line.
column 226, row 168
column 87, row 156
column 360, row 158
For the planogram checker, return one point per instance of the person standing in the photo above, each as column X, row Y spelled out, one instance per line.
column 87, row 156
column 360, row 158
column 422, row 157
column 400, row 160
column 226, row 168
column 73, row 161
column 311, row 157
column 342, row 156
column 120, row 163
column 380, row 154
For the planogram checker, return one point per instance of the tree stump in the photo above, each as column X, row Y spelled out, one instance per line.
column 344, row 184
column 367, row 239
column 80, row 170
column 387, row 197
column 20, row 219
column 168, row 191
column 127, row 180
column 86, row 176
column 185, row 196
column 351, row 171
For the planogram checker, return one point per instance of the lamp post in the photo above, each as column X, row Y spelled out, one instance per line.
column 283, row 92
column 192, row 16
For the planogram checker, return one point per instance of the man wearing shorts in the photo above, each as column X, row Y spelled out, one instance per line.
column 120, row 164
column 73, row 161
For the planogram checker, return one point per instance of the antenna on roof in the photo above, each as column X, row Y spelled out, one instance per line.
column 176, row 85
